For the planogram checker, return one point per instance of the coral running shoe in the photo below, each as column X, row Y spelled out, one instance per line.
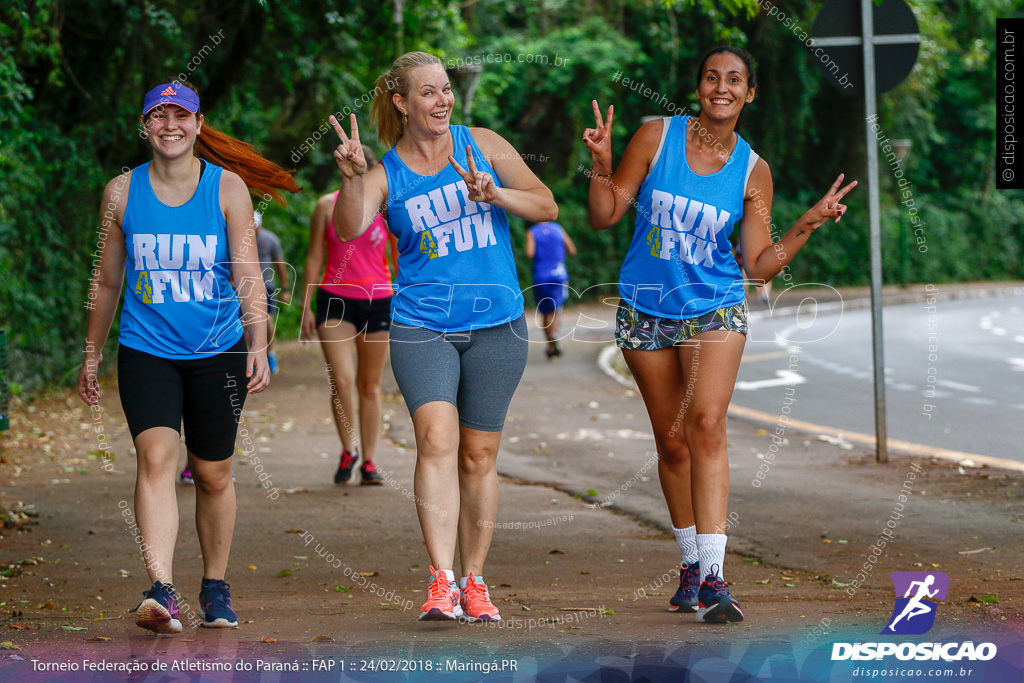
column 685, row 599
column 215, row 604
column 158, row 612
column 716, row 606
column 442, row 599
column 369, row 475
column 476, row 602
column 345, row 465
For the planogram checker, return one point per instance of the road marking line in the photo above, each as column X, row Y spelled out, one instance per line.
column 604, row 361
column 1017, row 363
column 957, row 385
column 869, row 440
column 770, row 355
column 783, row 378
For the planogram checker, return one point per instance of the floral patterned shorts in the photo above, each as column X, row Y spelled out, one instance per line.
column 638, row 331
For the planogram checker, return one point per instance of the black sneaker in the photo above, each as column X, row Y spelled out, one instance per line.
column 369, row 475
column 344, row 473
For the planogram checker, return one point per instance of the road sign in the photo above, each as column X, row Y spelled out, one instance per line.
column 838, row 31
column 886, row 37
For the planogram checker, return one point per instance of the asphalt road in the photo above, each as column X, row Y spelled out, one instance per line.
column 953, row 372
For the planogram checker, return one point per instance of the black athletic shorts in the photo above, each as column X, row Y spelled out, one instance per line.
column 368, row 315
column 207, row 394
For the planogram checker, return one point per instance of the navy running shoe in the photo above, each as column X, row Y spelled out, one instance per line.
column 685, row 599
column 215, row 604
column 716, row 606
column 345, row 465
column 158, row 612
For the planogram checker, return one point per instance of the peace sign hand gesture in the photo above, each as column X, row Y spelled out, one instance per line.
column 599, row 140
column 829, row 206
column 480, row 185
column 349, row 153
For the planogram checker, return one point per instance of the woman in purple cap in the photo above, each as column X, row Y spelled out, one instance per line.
column 182, row 226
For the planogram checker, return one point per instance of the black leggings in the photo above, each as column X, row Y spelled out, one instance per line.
column 206, row 393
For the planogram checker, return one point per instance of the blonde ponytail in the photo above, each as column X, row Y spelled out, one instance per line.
column 387, row 119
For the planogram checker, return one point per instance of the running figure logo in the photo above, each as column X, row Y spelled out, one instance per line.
column 914, row 613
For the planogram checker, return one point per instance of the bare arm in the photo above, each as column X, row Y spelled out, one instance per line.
column 363, row 191
column 531, row 245
column 105, row 287
column 521, row 193
column 248, row 279
column 570, row 246
column 314, row 264
column 763, row 260
column 611, row 195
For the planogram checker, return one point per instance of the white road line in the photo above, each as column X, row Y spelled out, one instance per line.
column 957, row 385
column 783, row 378
column 1017, row 363
column 604, row 361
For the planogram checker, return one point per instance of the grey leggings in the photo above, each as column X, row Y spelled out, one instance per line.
column 476, row 371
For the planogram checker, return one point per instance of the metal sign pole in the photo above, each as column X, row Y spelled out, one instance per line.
column 875, row 234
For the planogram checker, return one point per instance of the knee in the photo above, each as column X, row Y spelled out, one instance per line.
column 705, row 432
column 157, row 464
column 436, row 441
column 476, row 461
column 212, row 483
column 674, row 452
column 369, row 389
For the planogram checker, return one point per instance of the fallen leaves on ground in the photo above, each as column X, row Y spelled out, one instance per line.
column 268, row 640
column 322, row 639
column 25, row 627
column 283, row 573
column 75, row 628
column 8, row 645
column 295, row 531
column 98, row 639
column 367, row 573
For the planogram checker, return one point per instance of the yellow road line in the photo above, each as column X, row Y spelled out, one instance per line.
column 869, row 440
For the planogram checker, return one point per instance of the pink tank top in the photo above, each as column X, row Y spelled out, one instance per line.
column 358, row 269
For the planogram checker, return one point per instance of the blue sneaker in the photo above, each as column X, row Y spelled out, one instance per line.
column 272, row 362
column 685, row 599
column 716, row 606
column 158, row 612
column 215, row 604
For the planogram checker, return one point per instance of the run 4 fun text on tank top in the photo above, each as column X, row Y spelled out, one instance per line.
column 675, row 231
column 444, row 222
column 180, row 266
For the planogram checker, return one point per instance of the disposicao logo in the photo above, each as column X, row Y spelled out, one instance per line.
column 914, row 614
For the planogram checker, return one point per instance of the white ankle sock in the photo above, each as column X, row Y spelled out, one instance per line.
column 448, row 573
column 465, row 579
column 711, row 549
column 687, row 540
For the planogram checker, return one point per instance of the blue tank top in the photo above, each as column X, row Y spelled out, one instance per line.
column 179, row 302
column 456, row 271
column 549, row 259
column 680, row 263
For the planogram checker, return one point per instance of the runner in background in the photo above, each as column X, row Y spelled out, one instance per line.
column 181, row 227
column 352, row 292
column 272, row 262
column 547, row 244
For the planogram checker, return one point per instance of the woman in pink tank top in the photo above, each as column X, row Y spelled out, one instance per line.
column 352, row 318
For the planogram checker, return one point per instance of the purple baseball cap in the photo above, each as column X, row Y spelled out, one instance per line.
column 171, row 93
